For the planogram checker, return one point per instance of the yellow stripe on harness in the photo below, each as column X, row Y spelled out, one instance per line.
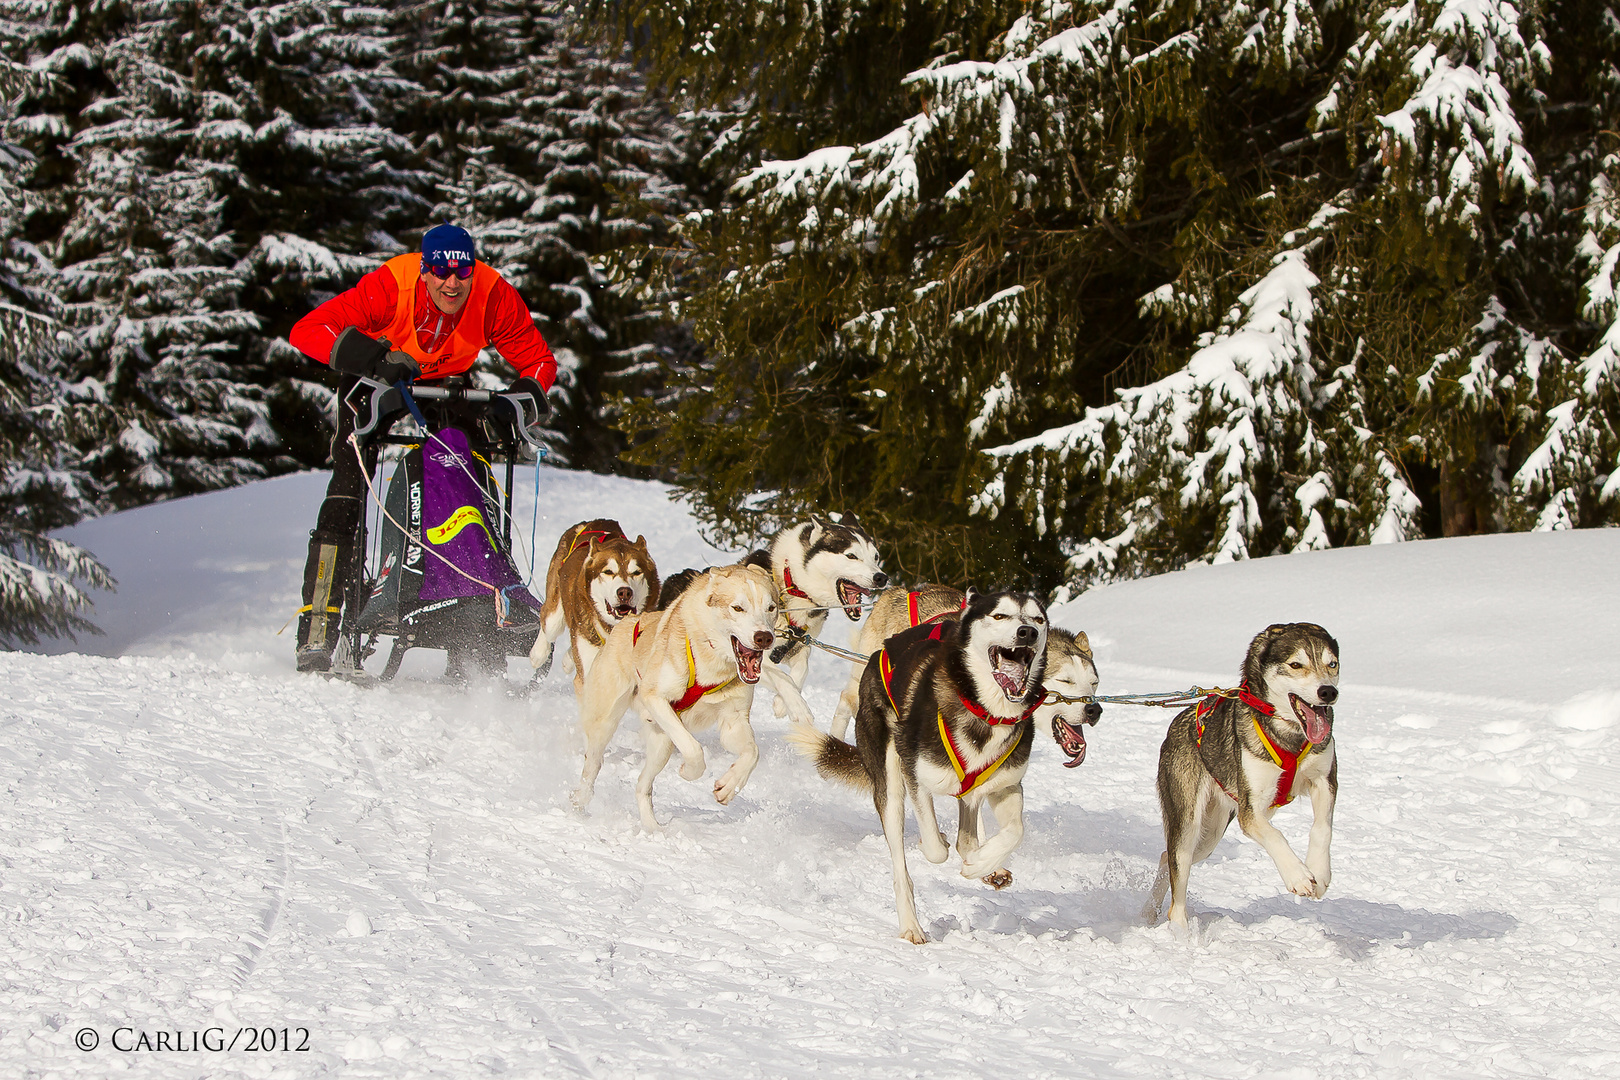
column 968, row 780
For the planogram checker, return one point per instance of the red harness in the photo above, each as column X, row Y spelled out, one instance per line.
column 694, row 689
column 916, row 615
column 968, row 779
column 983, row 714
column 1285, row 760
column 793, row 590
column 585, row 537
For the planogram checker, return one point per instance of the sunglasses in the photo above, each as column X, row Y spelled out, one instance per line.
column 443, row 272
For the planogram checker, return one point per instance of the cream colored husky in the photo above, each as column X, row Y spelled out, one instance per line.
column 690, row 666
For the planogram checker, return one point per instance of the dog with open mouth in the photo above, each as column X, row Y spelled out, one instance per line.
column 1245, row 756
column 947, row 708
column 689, row 666
column 1070, row 668
column 825, row 564
column 598, row 577
column 829, row 563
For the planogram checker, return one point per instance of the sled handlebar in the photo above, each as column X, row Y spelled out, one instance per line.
column 377, row 405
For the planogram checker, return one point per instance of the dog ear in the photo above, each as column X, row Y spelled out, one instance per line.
column 967, row 597
column 641, row 542
column 1082, row 642
column 711, row 595
column 1254, row 663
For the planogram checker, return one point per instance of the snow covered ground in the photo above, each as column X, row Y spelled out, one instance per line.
column 194, row 839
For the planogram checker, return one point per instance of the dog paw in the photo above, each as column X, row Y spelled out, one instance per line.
column 692, row 768
column 976, row 869
column 1323, row 877
column 581, row 798
column 1300, row 882
column 914, row 935
column 726, row 787
column 779, row 707
column 998, row 880
column 938, row 851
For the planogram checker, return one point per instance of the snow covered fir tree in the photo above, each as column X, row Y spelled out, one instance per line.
column 200, row 175
column 1048, row 291
column 207, row 173
column 42, row 487
column 1097, row 289
column 552, row 154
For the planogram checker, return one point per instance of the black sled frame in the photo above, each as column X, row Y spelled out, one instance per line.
column 501, row 428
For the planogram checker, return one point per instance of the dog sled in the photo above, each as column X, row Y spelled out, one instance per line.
column 440, row 573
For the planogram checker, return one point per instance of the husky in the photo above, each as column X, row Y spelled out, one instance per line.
column 689, row 666
column 598, row 577
column 947, row 708
column 827, row 562
column 1245, row 756
column 1071, row 670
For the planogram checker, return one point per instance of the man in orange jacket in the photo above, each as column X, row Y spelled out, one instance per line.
column 421, row 316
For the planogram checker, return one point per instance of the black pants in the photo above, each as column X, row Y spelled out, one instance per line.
column 333, row 540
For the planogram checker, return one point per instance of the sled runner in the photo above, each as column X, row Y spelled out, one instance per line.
column 443, row 576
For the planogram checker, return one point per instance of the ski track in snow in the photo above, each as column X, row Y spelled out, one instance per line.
column 191, row 837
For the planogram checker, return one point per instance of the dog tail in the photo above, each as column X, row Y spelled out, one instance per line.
column 834, row 758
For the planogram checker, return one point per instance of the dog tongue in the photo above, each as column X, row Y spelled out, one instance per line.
column 1009, row 674
column 1318, row 722
column 1072, row 740
column 748, row 661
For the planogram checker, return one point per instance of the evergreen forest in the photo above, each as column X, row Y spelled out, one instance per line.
column 1047, row 292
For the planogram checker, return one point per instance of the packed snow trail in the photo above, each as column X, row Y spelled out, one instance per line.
column 196, row 837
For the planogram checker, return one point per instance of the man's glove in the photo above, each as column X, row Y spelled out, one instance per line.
column 356, row 354
column 532, row 387
column 399, row 365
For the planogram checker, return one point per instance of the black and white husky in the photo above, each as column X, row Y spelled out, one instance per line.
column 946, row 709
column 829, row 562
column 1246, row 756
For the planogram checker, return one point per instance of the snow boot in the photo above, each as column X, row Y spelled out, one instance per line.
column 319, row 620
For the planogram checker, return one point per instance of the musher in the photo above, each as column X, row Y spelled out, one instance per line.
column 418, row 316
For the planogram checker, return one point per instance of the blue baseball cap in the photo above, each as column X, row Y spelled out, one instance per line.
column 448, row 246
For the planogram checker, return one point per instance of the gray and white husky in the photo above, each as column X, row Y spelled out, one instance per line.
column 1246, row 756
column 946, row 708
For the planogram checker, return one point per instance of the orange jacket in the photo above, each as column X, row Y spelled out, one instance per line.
column 391, row 302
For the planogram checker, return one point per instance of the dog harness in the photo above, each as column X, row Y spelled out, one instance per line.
column 916, row 616
column 584, row 536
column 793, row 590
column 695, row 691
column 983, row 714
column 967, row 779
column 1285, row 760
